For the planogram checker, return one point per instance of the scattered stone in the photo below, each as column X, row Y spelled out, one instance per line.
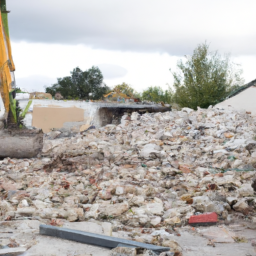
column 123, row 251
column 113, row 210
column 246, row 190
column 254, row 185
column 241, row 206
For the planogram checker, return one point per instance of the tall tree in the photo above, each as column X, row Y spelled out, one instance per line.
column 80, row 84
column 157, row 94
column 205, row 78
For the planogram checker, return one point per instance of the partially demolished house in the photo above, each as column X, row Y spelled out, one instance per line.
column 242, row 99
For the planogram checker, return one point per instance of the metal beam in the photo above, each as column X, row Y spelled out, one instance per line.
column 95, row 239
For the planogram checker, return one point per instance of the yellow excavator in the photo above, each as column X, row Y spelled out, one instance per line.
column 15, row 141
column 116, row 93
column 7, row 68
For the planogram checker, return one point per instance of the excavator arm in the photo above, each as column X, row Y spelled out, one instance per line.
column 7, row 66
column 117, row 93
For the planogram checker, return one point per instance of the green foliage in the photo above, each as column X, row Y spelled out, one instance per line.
column 18, row 90
column 3, row 5
column 205, row 78
column 25, row 111
column 13, row 107
column 80, row 85
column 15, row 117
column 127, row 90
column 157, row 94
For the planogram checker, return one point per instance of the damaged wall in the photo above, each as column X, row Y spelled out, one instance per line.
column 76, row 116
column 70, row 115
column 55, row 117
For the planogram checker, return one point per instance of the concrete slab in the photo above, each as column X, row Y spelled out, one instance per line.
column 26, row 233
column 194, row 244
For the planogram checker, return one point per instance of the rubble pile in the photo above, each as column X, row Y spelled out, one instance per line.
column 145, row 176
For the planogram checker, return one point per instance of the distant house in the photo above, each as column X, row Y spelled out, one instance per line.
column 40, row 95
column 242, row 99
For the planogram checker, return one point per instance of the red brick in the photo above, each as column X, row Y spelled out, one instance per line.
column 206, row 218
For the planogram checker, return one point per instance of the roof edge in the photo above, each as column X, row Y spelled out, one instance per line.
column 242, row 88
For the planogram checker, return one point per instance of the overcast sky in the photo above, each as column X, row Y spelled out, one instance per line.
column 132, row 41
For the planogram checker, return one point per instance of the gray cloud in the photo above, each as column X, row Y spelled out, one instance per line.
column 169, row 26
column 111, row 71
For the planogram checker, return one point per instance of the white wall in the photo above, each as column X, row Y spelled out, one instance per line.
column 22, row 96
column 246, row 100
column 90, row 109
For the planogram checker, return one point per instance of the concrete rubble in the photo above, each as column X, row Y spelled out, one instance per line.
column 142, row 180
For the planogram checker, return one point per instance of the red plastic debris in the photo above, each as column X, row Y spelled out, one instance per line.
column 204, row 219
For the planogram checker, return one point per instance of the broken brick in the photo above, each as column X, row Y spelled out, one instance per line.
column 204, row 219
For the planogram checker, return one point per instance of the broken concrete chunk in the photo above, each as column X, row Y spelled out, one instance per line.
column 241, row 206
column 113, row 210
column 155, row 208
column 26, row 211
column 246, row 190
column 123, row 251
column 150, row 150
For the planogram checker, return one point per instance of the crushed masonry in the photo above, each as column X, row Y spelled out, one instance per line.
column 145, row 177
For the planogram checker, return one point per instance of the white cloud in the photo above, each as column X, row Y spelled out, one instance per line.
column 111, row 71
column 34, row 83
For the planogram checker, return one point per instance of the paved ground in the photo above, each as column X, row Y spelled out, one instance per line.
column 224, row 240
column 198, row 243
column 26, row 233
column 48, row 246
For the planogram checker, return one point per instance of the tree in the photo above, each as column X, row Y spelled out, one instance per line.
column 81, row 84
column 205, row 78
column 157, row 94
column 126, row 89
